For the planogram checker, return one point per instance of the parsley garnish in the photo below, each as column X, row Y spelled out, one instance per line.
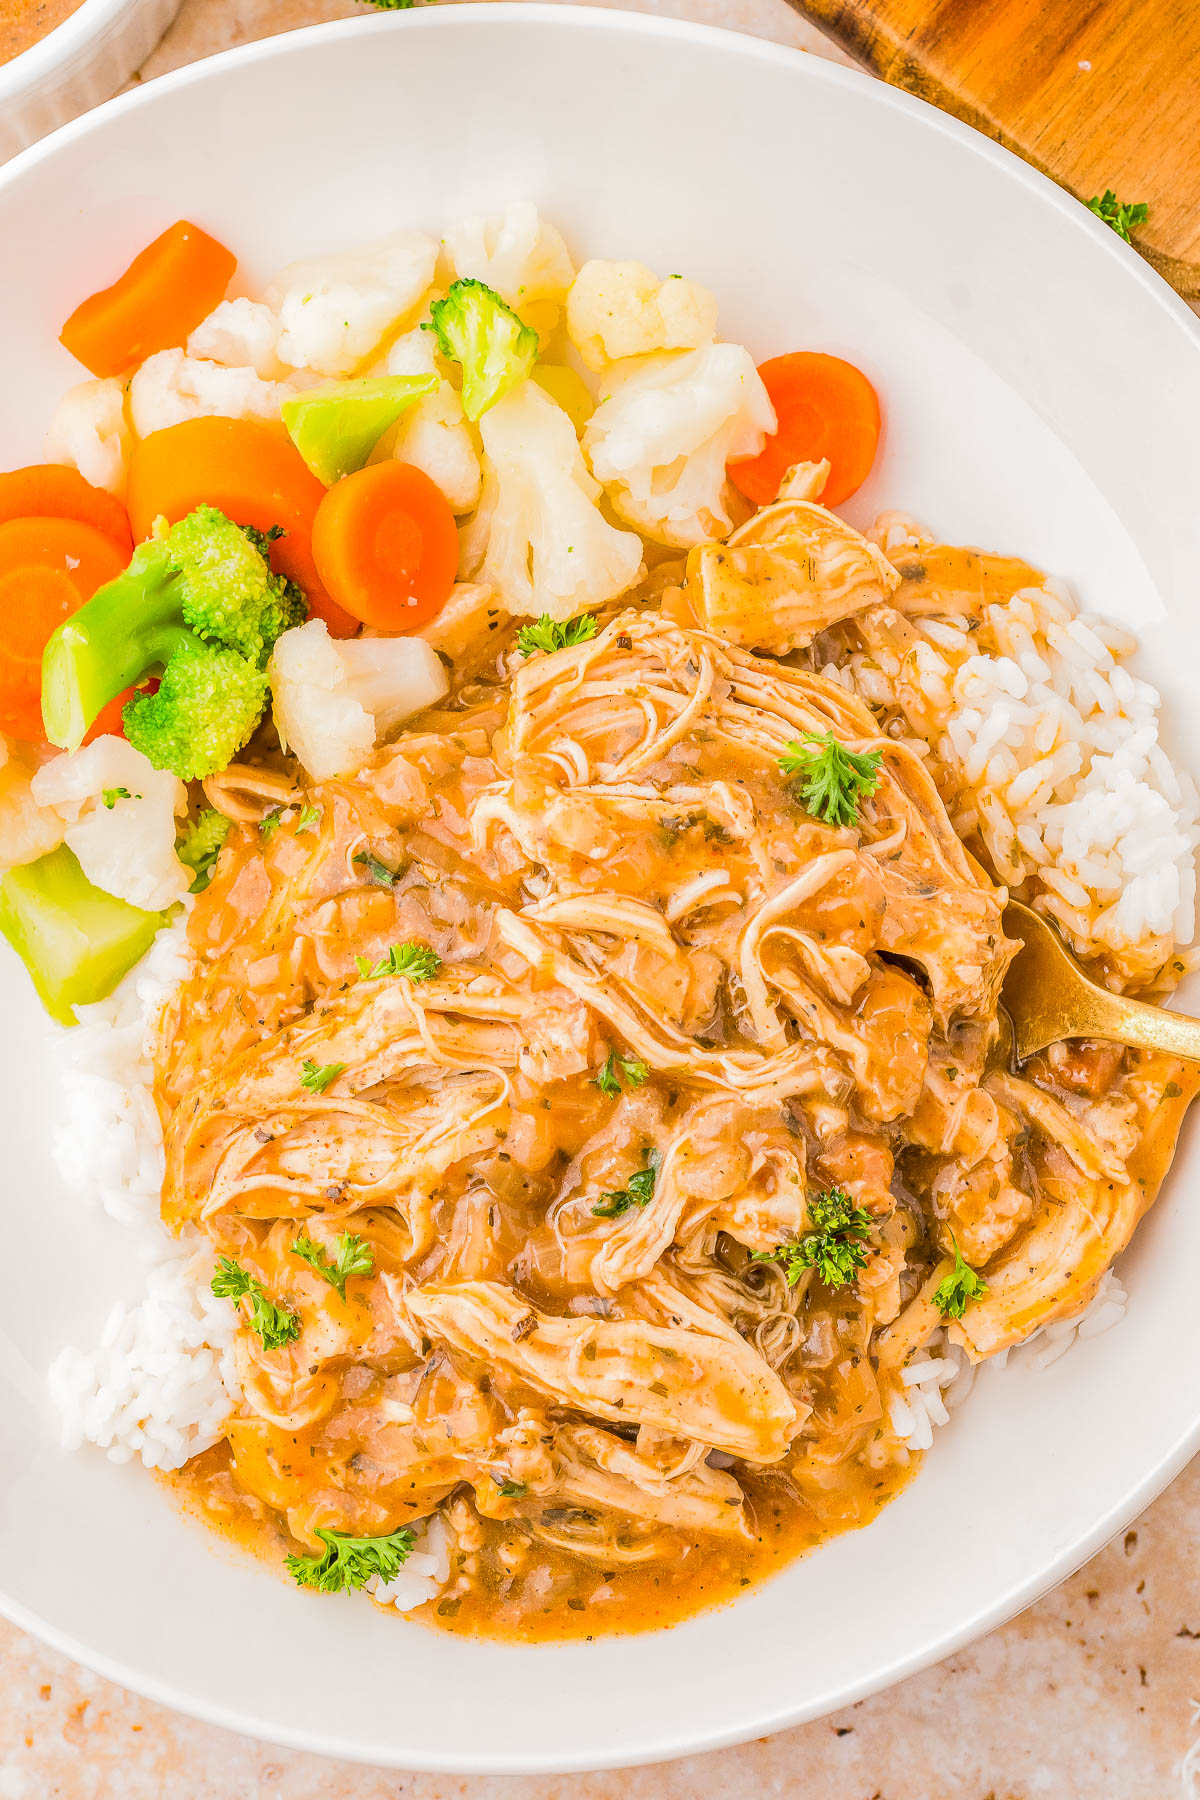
column 834, row 1247
column 830, row 780
column 608, row 1080
column 110, row 796
column 415, row 961
column 269, row 824
column 317, row 1079
column 639, row 1191
column 350, row 1562
column 199, row 845
column 1118, row 214
column 512, row 1490
column 273, row 1325
column 354, row 1257
column 550, row 634
column 310, row 818
column 962, row 1284
column 378, row 871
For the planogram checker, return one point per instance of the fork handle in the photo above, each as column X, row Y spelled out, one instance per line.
column 1145, row 1027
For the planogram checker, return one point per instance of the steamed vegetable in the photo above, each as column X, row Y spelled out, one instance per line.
column 200, row 843
column 162, row 296
column 477, row 330
column 76, row 941
column 201, row 603
column 664, row 431
column 254, row 476
column 519, row 255
column 336, row 427
column 830, row 780
column 539, row 538
column 48, row 568
column 89, row 432
column 118, row 817
column 335, row 311
column 826, row 409
column 618, row 309
column 335, row 701
column 50, row 491
column 386, row 546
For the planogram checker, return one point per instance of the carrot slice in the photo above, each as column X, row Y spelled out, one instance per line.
column 826, row 408
column 48, row 568
column 155, row 305
column 254, row 474
column 54, row 491
column 386, row 546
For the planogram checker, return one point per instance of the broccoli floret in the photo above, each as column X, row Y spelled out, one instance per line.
column 227, row 590
column 199, row 845
column 476, row 329
column 208, row 702
column 198, row 602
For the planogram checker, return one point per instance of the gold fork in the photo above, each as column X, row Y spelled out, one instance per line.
column 1047, row 997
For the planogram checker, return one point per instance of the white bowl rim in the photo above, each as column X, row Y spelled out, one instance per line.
column 1076, row 217
column 60, row 49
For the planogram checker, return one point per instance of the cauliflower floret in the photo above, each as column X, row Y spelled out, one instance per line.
column 27, row 830
column 171, row 386
column 433, row 433
column 618, row 309
column 519, row 255
column 118, row 816
column 334, row 311
column 334, row 700
column 89, row 431
column 539, row 538
column 239, row 334
column 660, row 439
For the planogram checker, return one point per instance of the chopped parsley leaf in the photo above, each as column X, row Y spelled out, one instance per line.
column 273, row 1325
column 269, row 824
column 962, row 1284
column 833, row 1248
column 378, row 871
column 638, row 1191
column 830, row 780
column 1119, row 214
column 354, row 1257
column 550, row 634
column 512, row 1490
column 350, row 1562
column 309, row 820
column 636, row 1074
column 317, row 1079
column 417, row 962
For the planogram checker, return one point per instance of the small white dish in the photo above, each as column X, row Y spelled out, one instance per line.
column 1042, row 391
column 77, row 65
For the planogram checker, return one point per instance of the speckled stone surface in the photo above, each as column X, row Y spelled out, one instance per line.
column 1093, row 1694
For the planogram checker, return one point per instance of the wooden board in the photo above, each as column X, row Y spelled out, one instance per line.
column 1095, row 93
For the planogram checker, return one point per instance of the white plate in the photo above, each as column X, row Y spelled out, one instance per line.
column 1043, row 396
column 81, row 62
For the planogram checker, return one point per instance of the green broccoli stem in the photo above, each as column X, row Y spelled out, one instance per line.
column 128, row 628
column 75, row 940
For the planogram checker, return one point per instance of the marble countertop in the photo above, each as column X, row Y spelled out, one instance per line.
column 1093, row 1694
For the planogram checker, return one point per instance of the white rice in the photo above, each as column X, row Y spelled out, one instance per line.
column 160, row 1383
column 423, row 1576
column 939, row 1380
column 1053, row 750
